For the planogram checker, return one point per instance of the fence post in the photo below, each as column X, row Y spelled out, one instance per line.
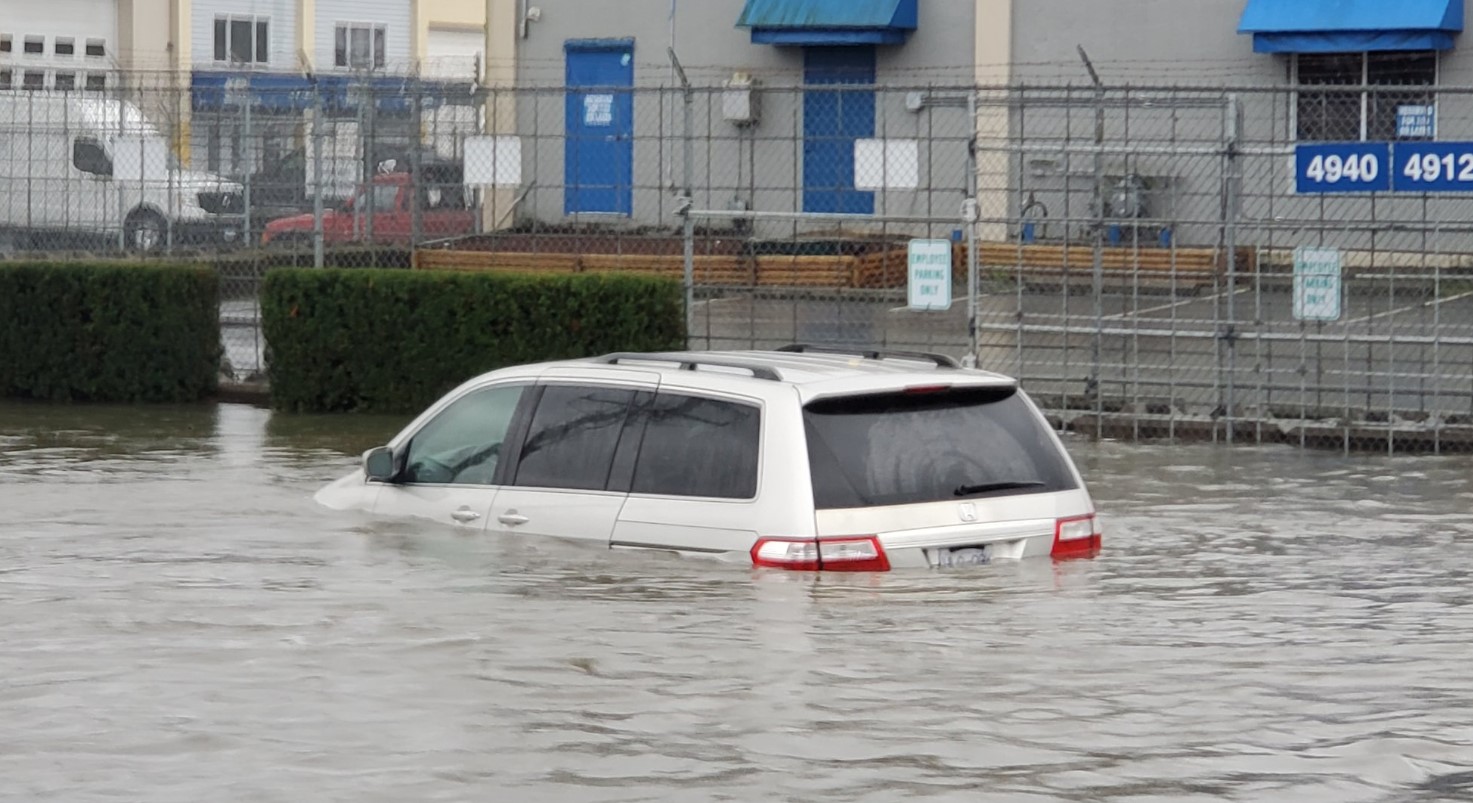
column 1097, row 272
column 1230, row 237
column 250, row 169
column 688, row 198
column 316, row 136
column 970, row 214
column 367, row 162
column 416, row 215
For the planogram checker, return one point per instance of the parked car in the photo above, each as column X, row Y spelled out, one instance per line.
column 794, row 459
column 382, row 212
column 281, row 186
column 75, row 169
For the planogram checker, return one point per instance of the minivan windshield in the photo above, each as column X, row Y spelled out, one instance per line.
column 947, row 445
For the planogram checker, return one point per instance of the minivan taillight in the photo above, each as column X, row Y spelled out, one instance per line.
column 1077, row 537
column 843, row 554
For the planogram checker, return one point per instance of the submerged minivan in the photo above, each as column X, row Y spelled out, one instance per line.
column 804, row 458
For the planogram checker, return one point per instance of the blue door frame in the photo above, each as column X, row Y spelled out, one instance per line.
column 598, row 160
column 832, row 120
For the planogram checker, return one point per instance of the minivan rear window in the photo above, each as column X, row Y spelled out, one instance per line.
column 940, row 445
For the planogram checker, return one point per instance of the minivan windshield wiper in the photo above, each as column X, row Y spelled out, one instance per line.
column 968, row 490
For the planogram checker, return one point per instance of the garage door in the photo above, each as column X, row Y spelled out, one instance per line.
column 454, row 53
column 64, row 44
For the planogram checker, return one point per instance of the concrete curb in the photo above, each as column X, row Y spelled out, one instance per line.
column 257, row 394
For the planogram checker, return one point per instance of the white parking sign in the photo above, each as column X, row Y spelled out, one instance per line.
column 1316, row 283
column 930, row 274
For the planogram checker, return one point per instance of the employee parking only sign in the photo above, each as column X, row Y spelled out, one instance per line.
column 1316, row 283
column 930, row 274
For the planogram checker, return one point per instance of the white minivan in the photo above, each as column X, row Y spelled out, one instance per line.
column 75, row 167
column 804, row 458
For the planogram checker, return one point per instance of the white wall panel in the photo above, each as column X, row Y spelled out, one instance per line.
column 453, row 53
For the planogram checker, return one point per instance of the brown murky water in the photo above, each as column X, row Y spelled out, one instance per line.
column 179, row 622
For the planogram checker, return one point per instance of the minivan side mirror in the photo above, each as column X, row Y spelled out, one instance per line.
column 378, row 464
column 89, row 157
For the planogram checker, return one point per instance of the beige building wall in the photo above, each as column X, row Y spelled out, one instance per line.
column 499, row 22
column 153, row 59
column 146, row 36
column 994, row 58
column 306, row 34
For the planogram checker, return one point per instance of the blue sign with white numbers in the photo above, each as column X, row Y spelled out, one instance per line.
column 1434, row 167
column 1342, row 167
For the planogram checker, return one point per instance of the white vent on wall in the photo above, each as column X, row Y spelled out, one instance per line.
column 739, row 102
column 887, row 164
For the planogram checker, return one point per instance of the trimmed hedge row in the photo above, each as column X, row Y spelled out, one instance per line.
column 394, row 341
column 109, row 332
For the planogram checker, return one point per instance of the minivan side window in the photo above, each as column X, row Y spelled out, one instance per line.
column 696, row 446
column 462, row 445
column 571, row 440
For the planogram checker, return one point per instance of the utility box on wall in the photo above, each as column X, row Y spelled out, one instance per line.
column 740, row 100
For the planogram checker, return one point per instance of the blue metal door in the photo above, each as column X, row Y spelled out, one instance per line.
column 598, row 160
column 832, row 120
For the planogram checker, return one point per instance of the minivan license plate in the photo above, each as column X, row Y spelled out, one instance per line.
column 962, row 556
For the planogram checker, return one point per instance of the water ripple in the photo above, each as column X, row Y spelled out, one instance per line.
column 181, row 622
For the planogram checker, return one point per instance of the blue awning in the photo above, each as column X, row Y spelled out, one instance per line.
column 1349, row 26
column 809, row 23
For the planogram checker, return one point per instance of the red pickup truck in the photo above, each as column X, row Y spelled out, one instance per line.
column 381, row 212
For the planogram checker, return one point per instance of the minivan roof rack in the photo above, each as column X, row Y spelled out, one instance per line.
column 941, row 360
column 690, row 362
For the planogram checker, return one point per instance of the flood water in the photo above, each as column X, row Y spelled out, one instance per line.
column 180, row 622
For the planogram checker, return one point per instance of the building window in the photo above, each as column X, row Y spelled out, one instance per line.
column 7, row 79
column 33, row 80
column 242, row 40
column 35, row 44
column 359, row 47
column 96, row 47
column 212, row 149
column 65, row 46
column 65, row 81
column 1395, row 106
column 96, row 82
column 237, row 150
column 6, row 43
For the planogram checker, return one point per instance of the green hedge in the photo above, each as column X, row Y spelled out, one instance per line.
column 394, row 341
column 118, row 332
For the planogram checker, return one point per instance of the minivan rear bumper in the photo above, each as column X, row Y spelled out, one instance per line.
column 941, row 547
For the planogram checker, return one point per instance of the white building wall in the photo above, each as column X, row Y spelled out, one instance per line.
column 394, row 15
column 282, row 18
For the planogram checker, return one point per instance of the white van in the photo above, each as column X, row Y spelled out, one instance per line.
column 796, row 459
column 78, row 169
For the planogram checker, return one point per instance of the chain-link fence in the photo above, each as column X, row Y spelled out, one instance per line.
column 1148, row 261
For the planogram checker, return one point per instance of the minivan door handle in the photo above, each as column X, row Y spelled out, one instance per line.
column 511, row 518
column 465, row 515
